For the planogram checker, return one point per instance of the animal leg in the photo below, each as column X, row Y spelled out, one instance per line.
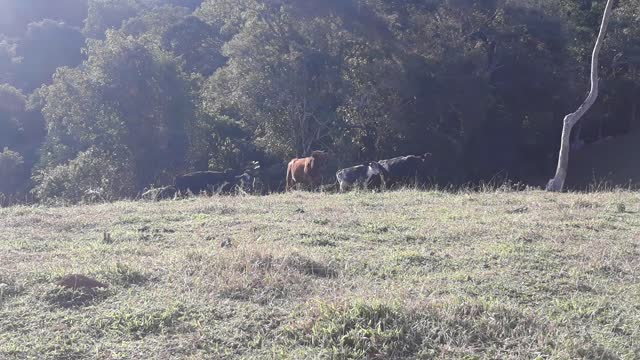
column 290, row 179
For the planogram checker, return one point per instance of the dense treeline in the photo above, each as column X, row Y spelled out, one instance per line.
column 115, row 95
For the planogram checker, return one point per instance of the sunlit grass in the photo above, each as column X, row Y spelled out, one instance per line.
column 404, row 274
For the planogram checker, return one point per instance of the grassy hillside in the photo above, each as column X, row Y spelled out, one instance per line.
column 396, row 275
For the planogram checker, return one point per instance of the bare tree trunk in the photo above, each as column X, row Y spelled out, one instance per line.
column 557, row 183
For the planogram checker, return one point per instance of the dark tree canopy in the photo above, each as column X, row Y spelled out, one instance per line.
column 116, row 95
column 46, row 46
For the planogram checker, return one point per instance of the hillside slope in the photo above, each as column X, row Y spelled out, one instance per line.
column 402, row 274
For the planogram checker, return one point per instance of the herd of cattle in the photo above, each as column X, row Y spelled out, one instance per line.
column 301, row 173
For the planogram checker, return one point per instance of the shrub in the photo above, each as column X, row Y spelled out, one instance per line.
column 92, row 171
column 11, row 172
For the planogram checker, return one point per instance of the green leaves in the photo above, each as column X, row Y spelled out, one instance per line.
column 129, row 95
column 182, row 85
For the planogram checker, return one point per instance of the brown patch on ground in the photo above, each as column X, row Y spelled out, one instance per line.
column 75, row 281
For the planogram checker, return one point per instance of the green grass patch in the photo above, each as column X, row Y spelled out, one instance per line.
column 393, row 275
column 142, row 322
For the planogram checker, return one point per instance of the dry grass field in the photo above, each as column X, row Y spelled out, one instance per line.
column 395, row 275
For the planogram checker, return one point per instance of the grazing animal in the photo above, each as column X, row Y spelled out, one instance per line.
column 306, row 171
column 161, row 193
column 404, row 170
column 207, row 181
column 270, row 178
column 369, row 175
column 245, row 182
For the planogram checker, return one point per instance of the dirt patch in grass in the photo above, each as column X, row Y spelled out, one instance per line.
column 78, row 281
column 74, row 297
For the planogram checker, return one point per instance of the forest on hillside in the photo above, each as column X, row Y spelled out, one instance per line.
column 117, row 95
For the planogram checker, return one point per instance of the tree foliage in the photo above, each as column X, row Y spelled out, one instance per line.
column 163, row 87
column 136, row 98
column 46, row 46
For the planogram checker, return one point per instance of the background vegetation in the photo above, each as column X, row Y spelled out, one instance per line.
column 115, row 95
